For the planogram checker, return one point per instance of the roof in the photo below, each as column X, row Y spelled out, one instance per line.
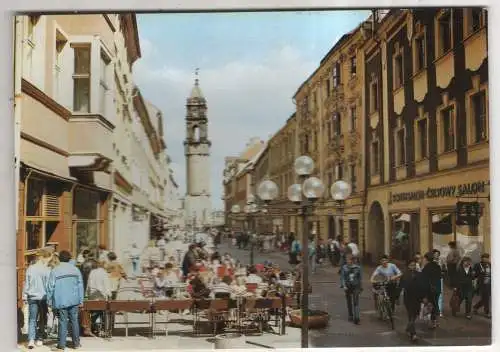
column 196, row 91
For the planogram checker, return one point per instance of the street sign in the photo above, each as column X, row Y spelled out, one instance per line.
column 468, row 213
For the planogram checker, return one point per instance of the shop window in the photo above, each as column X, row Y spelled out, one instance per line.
column 336, row 75
column 34, row 235
column 353, row 118
column 469, row 238
column 422, row 143
column 374, row 97
column 405, row 239
column 81, row 78
column 447, row 131
column 375, row 157
column 444, row 32
column 87, row 236
column 353, row 66
column 479, row 117
column 419, row 52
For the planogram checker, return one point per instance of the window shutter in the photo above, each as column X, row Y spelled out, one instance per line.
column 66, row 74
column 51, row 204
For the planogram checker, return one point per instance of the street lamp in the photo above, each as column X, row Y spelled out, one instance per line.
column 267, row 191
column 305, row 194
column 340, row 191
column 250, row 209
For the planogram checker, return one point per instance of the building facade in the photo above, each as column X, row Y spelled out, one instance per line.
column 329, row 105
column 198, row 204
column 282, row 152
column 76, row 121
column 426, row 116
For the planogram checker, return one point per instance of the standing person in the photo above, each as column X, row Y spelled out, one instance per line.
column 85, row 268
column 343, row 251
column 189, row 260
column 335, row 249
column 35, row 295
column 418, row 261
column 102, row 253
column 482, row 271
column 452, row 261
column 432, row 273
column 80, row 259
column 65, row 293
column 135, row 259
column 465, row 286
column 352, row 281
column 312, row 254
column 295, row 249
column 354, row 250
column 415, row 289
column 116, row 273
column 439, row 260
column 98, row 288
column 161, row 244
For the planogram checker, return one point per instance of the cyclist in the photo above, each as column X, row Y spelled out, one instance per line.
column 389, row 272
column 352, row 287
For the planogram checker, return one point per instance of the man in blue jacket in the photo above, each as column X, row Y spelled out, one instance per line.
column 65, row 294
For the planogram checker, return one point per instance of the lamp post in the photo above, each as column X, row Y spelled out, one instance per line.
column 305, row 194
column 340, row 191
column 250, row 209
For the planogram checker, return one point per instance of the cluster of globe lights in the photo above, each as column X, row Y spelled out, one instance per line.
column 312, row 188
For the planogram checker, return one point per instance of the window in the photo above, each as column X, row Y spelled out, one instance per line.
column 353, row 118
column 340, row 171
column 422, row 139
column 479, row 117
column 419, row 53
column 315, row 100
column 330, row 180
column 474, row 20
column 352, row 173
column 315, row 140
column 81, row 77
column 336, row 75
column 329, row 130
column 103, row 82
column 328, row 87
column 448, row 130
column 375, row 157
column 374, row 97
column 444, row 27
column 306, row 144
column 337, row 124
column 400, row 147
column 86, row 204
column 398, row 71
column 42, row 208
column 353, row 66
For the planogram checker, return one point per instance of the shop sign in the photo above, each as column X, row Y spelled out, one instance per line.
column 461, row 190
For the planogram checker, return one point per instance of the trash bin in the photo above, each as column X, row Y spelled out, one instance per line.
column 229, row 341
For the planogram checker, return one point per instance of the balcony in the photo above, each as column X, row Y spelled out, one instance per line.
column 90, row 142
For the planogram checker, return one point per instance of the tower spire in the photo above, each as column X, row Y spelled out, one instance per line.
column 196, row 91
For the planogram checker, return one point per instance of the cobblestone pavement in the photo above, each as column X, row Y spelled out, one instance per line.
column 327, row 295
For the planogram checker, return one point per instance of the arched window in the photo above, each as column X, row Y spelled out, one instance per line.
column 196, row 133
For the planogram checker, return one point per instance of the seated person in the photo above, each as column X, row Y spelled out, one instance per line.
column 252, row 277
column 198, row 289
column 222, row 288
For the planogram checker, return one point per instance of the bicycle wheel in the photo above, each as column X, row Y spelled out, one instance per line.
column 380, row 308
column 389, row 312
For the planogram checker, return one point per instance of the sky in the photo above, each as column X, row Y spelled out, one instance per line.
column 250, row 66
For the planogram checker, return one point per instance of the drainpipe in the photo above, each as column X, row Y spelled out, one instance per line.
column 111, row 222
column 18, row 65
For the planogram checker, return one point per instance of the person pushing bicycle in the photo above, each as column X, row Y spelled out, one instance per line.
column 390, row 274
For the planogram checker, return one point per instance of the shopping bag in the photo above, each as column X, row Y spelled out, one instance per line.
column 455, row 302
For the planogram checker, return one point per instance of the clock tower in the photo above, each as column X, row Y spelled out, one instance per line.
column 198, row 206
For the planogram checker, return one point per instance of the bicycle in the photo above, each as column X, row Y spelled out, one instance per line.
column 383, row 302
